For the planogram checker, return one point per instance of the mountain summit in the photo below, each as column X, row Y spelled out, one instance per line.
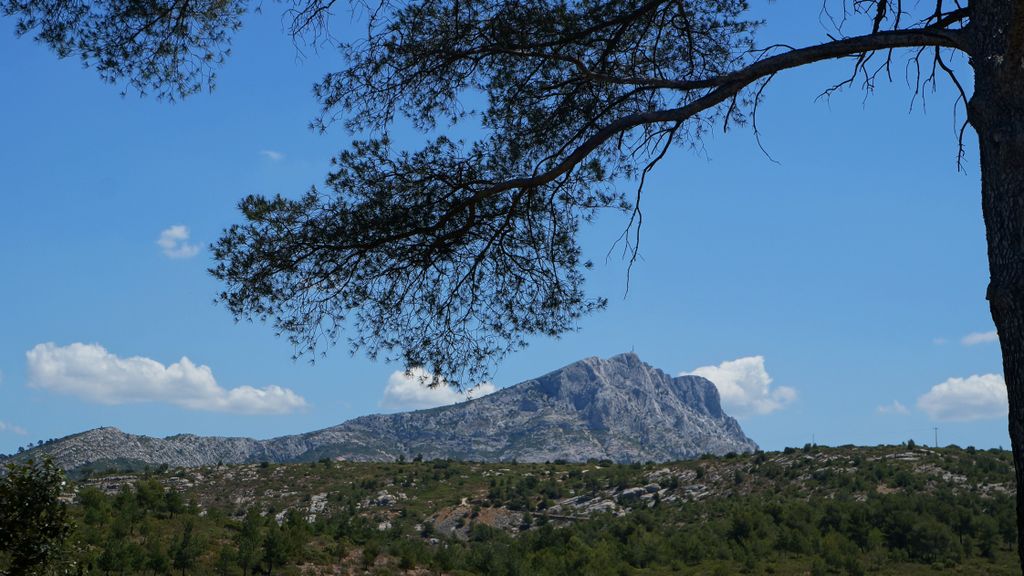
column 617, row 408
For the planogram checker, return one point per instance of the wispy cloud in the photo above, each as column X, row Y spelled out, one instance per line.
column 272, row 154
column 90, row 372
column 977, row 397
column 975, row 338
column 410, row 391
column 7, row 427
column 745, row 386
column 896, row 407
column 939, row 341
column 174, row 242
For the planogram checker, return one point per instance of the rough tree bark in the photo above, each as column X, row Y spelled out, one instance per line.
column 996, row 111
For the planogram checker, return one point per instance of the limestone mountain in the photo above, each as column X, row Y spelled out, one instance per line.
column 618, row 408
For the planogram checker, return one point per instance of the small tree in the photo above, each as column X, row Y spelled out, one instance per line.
column 225, row 560
column 249, row 541
column 33, row 519
column 157, row 560
column 128, row 508
column 186, row 549
column 115, row 556
column 275, row 549
column 173, row 503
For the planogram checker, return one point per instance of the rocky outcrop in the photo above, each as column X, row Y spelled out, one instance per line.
column 618, row 408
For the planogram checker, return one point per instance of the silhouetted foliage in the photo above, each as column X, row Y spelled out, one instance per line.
column 449, row 256
column 170, row 47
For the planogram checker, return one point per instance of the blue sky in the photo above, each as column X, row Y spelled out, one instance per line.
column 829, row 294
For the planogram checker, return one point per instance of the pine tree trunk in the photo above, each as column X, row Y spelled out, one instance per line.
column 1003, row 202
column 996, row 111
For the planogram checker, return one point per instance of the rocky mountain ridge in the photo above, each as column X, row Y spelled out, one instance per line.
column 619, row 409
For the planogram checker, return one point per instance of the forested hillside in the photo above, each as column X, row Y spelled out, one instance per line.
column 816, row 510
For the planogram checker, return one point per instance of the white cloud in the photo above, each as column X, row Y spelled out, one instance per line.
column 272, row 154
column 92, row 373
column 975, row 338
column 745, row 386
column 7, row 427
column 896, row 407
column 977, row 397
column 174, row 242
column 410, row 391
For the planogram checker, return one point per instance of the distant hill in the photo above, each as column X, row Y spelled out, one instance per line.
column 618, row 409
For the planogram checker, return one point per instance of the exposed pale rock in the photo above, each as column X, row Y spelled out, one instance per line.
column 619, row 409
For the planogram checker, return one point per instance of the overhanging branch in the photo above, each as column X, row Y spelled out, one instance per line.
column 728, row 85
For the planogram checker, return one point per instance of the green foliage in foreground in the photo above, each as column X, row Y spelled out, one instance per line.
column 815, row 511
column 33, row 523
